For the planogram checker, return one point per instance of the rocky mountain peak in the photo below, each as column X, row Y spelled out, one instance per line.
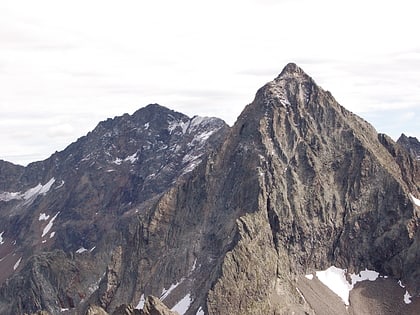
column 292, row 69
column 411, row 144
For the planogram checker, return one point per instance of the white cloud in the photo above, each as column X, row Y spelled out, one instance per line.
column 101, row 58
column 60, row 130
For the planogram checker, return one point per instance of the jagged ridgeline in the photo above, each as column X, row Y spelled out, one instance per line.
column 290, row 211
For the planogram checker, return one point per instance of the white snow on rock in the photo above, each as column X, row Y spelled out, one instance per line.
column 165, row 292
column 194, row 266
column 43, row 217
column 61, row 185
column 17, row 264
column 131, row 158
column 197, row 120
column 175, row 124
column 46, row 188
column 32, row 192
column 7, row 196
column 1, row 238
column 38, row 190
column 81, row 250
column 117, row 161
column 334, row 278
column 49, row 225
column 200, row 311
column 407, row 298
column 52, row 234
column 415, row 200
column 140, row 304
column 182, row 306
column 363, row 276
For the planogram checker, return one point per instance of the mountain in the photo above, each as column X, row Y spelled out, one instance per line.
column 217, row 220
column 62, row 218
column 411, row 144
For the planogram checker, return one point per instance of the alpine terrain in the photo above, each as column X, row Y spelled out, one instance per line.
column 300, row 208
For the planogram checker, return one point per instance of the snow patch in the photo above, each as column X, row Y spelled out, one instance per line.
column 47, row 186
column 146, row 126
column 363, row 276
column 415, row 200
column 1, row 238
column 140, row 304
column 61, row 185
column 131, row 158
column 334, row 278
column 117, row 161
column 165, row 292
column 197, row 120
column 32, row 192
column 407, row 298
column 43, row 217
column 52, row 234
column 81, row 250
column 178, row 124
column 92, row 249
column 49, row 225
column 194, row 266
column 17, row 264
column 200, row 311
column 7, row 196
column 191, row 167
column 182, row 306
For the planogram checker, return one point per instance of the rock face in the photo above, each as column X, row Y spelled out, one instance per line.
column 153, row 306
column 213, row 220
column 63, row 220
column 411, row 144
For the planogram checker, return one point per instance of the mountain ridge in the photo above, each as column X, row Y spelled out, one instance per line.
column 235, row 220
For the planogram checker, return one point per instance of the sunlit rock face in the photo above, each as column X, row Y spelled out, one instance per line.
column 217, row 220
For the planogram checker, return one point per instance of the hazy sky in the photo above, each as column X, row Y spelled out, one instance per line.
column 66, row 65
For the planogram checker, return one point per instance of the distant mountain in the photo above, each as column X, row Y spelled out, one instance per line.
column 254, row 219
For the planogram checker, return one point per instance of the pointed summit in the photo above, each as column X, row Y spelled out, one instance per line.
column 292, row 70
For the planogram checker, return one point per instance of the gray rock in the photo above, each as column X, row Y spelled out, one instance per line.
column 95, row 310
column 153, row 306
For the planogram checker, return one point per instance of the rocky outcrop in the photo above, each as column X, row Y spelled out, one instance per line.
column 95, row 310
column 153, row 306
column 125, row 309
column 411, row 144
column 211, row 219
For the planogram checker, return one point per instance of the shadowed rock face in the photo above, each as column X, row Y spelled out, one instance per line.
column 214, row 220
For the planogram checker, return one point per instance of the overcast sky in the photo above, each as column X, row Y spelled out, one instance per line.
column 66, row 65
